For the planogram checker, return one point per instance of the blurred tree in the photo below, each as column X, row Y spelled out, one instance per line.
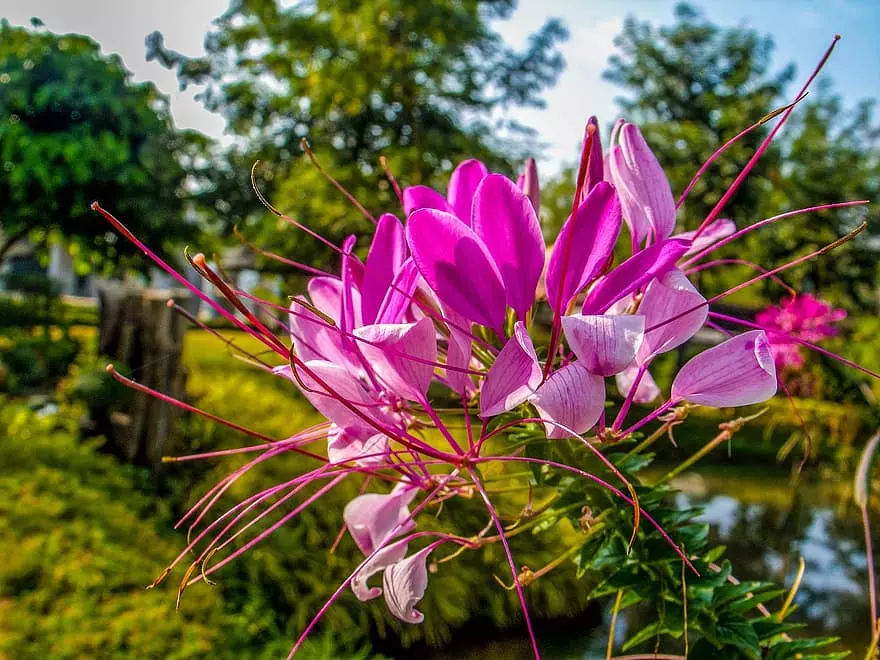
column 422, row 83
column 75, row 129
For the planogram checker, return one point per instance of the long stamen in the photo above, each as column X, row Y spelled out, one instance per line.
column 305, row 147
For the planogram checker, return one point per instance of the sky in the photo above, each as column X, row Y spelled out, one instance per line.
column 802, row 29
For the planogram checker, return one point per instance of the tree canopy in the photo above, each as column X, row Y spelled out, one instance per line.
column 76, row 128
column 424, row 84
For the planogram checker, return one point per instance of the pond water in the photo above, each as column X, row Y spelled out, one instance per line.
column 767, row 526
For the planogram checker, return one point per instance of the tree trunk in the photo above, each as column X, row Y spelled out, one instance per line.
column 144, row 338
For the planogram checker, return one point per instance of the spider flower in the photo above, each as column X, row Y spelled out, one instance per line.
column 801, row 317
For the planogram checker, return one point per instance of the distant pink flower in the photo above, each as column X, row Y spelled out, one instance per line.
column 802, row 317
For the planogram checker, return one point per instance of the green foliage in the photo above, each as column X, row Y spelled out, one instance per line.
column 76, row 129
column 421, row 83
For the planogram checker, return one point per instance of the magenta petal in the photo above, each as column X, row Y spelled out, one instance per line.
column 604, row 344
column 718, row 229
column 463, row 186
column 458, row 352
column 405, row 583
column 650, row 185
column 529, row 184
column 633, row 273
column 592, row 167
column 505, row 220
column 457, row 265
column 402, row 355
column 326, row 294
column 573, row 398
column 314, row 339
column 633, row 211
column 666, row 298
column 514, row 376
column 423, row 197
column 583, row 247
column 373, row 518
column 399, row 296
column 361, row 446
column 737, row 372
column 390, row 554
column 351, row 316
column 387, row 254
column 647, row 390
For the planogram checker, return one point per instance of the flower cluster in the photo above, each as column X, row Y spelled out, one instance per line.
column 800, row 317
column 443, row 307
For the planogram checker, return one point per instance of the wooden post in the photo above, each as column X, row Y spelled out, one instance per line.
column 139, row 332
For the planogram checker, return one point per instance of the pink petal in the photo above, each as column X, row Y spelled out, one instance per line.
column 398, row 297
column 633, row 211
column 340, row 383
column 584, row 246
column 604, row 344
column 634, row 273
column 423, row 197
column 513, row 377
column 362, row 447
column 326, row 294
column 387, row 556
column 457, row 265
column 405, row 583
column 351, row 316
column 650, row 185
column 458, row 351
column 571, row 397
column 505, row 220
column 737, row 372
column 402, row 355
column 666, row 298
column 463, row 186
column 720, row 228
column 374, row 518
column 591, row 157
column 387, row 254
column 314, row 339
column 647, row 390
column 529, row 184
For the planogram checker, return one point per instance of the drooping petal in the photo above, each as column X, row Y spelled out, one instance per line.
column 665, row 298
column 737, row 372
column 356, row 445
column 405, row 583
column 718, row 229
column 423, row 197
column 387, row 253
column 634, row 273
column 401, row 354
column 572, row 397
column 647, row 389
column 529, row 184
column 584, row 246
column 315, row 339
column 374, row 518
column 513, row 377
column 457, row 265
column 505, row 220
column 398, row 298
column 391, row 554
column 604, row 344
column 651, row 187
column 463, row 186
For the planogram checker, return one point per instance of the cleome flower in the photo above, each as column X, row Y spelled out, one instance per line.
column 443, row 308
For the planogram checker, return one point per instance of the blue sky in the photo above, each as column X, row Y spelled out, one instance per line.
column 801, row 28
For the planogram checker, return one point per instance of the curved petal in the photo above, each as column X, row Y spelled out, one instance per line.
column 514, row 376
column 584, row 246
column 737, row 372
column 591, row 158
column 405, row 583
column 718, row 229
column 572, row 397
column 423, row 197
column 374, row 518
column 339, row 384
column 647, row 390
column 399, row 296
column 633, row 273
column 326, row 295
column 387, row 253
column 666, row 298
column 505, row 220
column 402, row 355
column 633, row 212
column 604, row 344
column 387, row 556
column 315, row 339
column 650, row 186
column 529, row 184
column 463, row 186
column 457, row 265
column 458, row 351
column 356, row 445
